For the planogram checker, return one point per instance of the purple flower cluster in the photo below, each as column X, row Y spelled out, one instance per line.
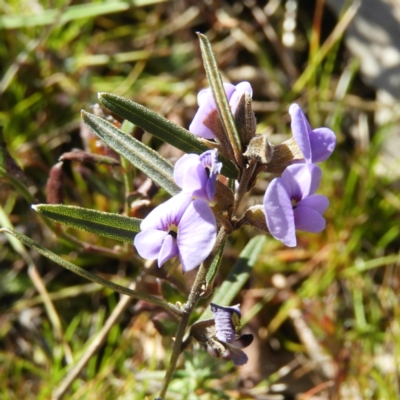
column 184, row 226
column 290, row 202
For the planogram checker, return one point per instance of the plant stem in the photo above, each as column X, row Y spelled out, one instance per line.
column 247, row 174
column 187, row 309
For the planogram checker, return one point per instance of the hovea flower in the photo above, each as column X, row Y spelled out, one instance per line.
column 218, row 335
column 290, row 203
column 316, row 145
column 180, row 227
column 227, row 321
column 197, row 174
column 207, row 105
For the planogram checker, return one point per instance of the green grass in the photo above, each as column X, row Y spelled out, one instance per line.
column 344, row 281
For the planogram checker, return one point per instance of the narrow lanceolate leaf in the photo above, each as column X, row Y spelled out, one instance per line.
column 88, row 275
column 113, row 226
column 238, row 275
column 160, row 127
column 218, row 91
column 141, row 156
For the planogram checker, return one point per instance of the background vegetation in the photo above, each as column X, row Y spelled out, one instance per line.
column 325, row 314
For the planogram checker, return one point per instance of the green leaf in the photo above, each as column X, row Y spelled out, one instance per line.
column 218, row 91
column 88, row 275
column 238, row 275
column 160, row 127
column 141, row 156
column 113, row 226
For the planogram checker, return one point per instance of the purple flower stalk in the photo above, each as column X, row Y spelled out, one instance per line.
column 207, row 105
column 227, row 320
column 197, row 174
column 316, row 145
column 290, row 203
column 180, row 227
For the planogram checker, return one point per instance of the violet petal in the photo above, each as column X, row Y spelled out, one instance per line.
column 300, row 130
column 167, row 213
column 191, row 176
column 206, row 105
column 301, row 180
column 323, row 142
column 196, row 234
column 209, row 160
column 223, row 321
column 148, row 243
column 238, row 356
column 279, row 213
column 307, row 219
column 317, row 202
column 240, row 88
column 182, row 165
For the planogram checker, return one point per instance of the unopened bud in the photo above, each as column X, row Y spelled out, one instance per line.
column 245, row 119
column 54, row 185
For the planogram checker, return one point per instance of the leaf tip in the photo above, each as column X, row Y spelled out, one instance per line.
column 34, row 207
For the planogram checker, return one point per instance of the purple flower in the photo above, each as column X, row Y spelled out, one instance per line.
column 180, row 227
column 197, row 174
column 227, row 321
column 207, row 105
column 316, row 145
column 290, row 203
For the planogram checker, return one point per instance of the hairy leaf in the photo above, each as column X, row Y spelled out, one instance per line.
column 141, row 156
column 88, row 275
column 160, row 127
column 113, row 226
